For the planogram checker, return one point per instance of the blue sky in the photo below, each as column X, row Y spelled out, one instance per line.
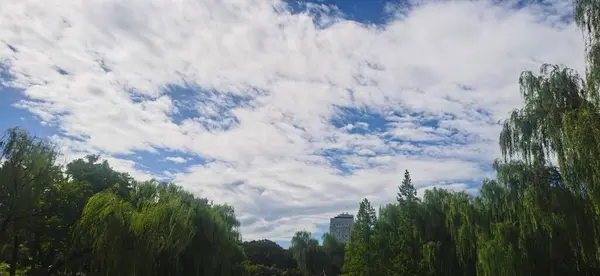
column 290, row 111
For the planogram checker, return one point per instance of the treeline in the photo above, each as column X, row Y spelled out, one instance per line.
column 87, row 219
column 528, row 222
column 304, row 257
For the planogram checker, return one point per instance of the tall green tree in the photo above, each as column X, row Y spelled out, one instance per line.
column 409, row 225
column 406, row 191
column 27, row 174
column 307, row 253
column 99, row 175
column 334, row 254
column 360, row 250
column 389, row 239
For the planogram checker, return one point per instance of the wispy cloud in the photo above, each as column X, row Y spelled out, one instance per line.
column 295, row 115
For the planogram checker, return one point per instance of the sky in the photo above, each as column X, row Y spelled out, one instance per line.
column 291, row 111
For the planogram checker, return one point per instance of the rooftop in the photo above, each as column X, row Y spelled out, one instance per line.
column 344, row 215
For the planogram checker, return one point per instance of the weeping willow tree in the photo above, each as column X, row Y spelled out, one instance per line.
column 128, row 235
column 305, row 249
column 461, row 222
column 560, row 120
column 215, row 248
column 439, row 251
column 159, row 230
column 527, row 224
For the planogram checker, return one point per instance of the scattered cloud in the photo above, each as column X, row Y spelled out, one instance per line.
column 290, row 114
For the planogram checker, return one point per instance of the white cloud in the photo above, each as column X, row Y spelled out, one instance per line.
column 176, row 159
column 120, row 55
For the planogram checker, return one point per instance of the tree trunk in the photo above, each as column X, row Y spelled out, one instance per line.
column 35, row 250
column 15, row 256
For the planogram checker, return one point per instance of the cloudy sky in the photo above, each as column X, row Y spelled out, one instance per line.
column 290, row 111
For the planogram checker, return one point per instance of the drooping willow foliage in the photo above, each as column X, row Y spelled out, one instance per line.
column 160, row 230
column 126, row 234
column 561, row 119
column 587, row 17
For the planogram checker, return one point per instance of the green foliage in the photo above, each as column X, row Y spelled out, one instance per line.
column 361, row 249
column 315, row 259
column 305, row 250
column 262, row 270
column 153, row 222
column 89, row 219
column 407, row 192
column 98, row 175
column 526, row 223
column 333, row 254
column 269, row 254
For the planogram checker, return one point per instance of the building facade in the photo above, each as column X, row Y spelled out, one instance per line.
column 340, row 226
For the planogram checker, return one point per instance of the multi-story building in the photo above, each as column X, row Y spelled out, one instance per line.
column 340, row 226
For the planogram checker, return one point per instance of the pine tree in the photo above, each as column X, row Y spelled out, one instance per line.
column 408, row 226
column 407, row 192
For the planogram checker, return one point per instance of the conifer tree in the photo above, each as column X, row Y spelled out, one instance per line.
column 406, row 192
